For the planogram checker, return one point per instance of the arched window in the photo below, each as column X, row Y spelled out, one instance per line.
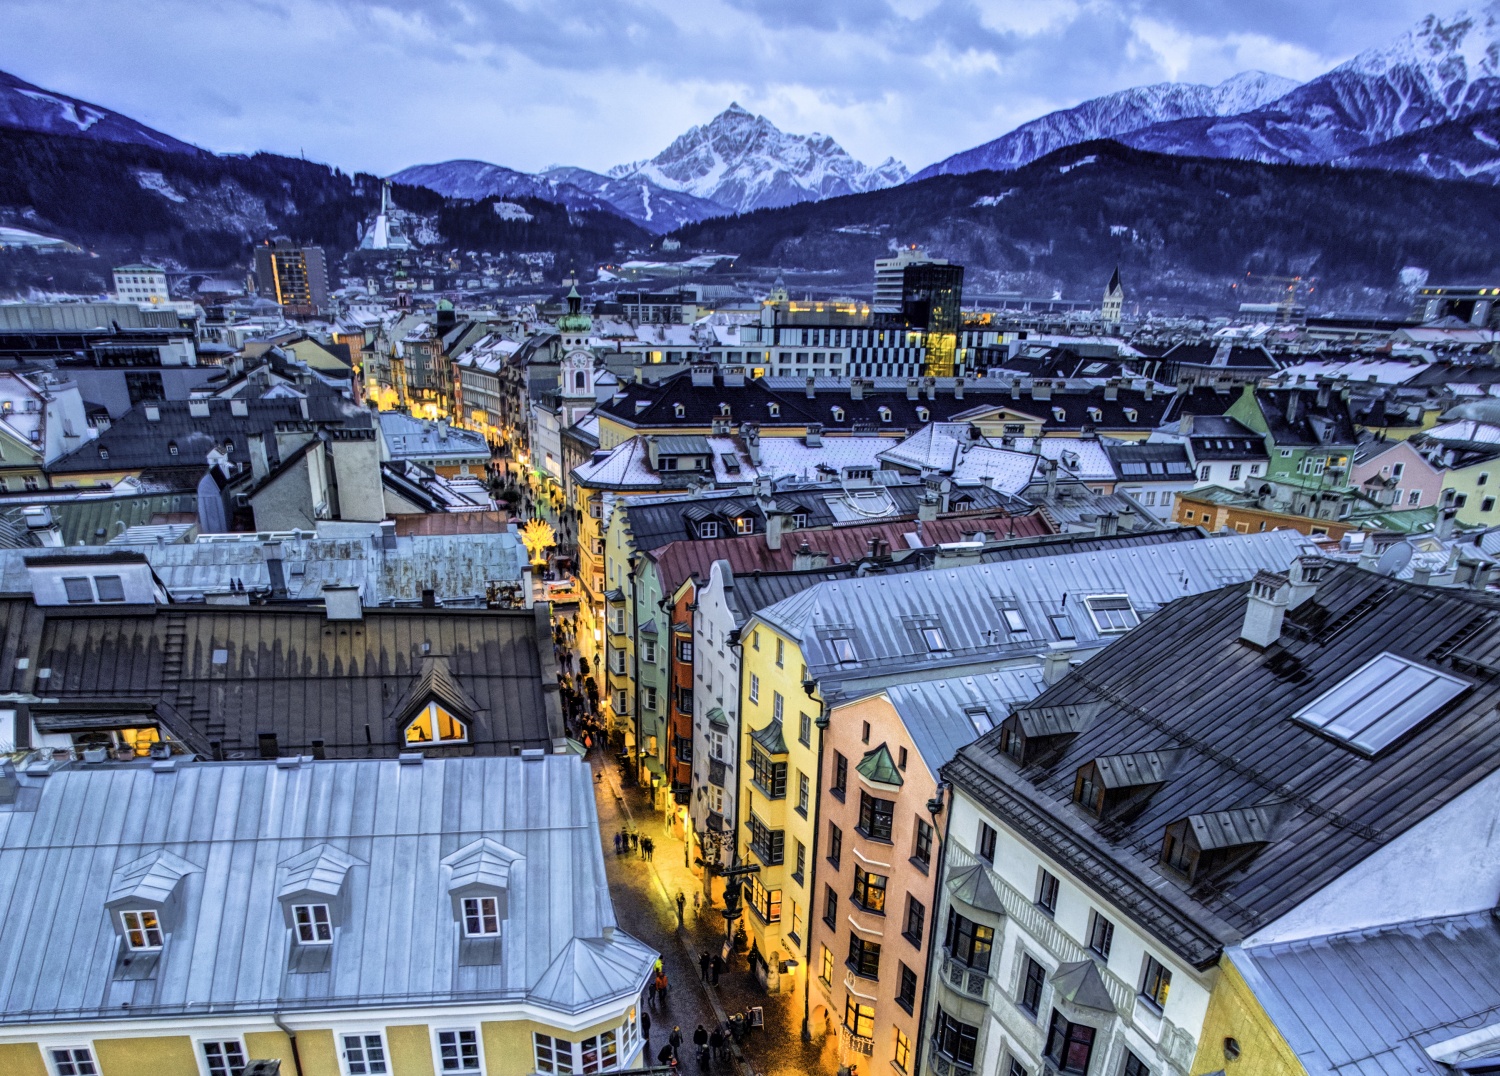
column 580, row 380
column 435, row 725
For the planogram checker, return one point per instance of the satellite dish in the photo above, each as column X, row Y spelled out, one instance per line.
column 1393, row 560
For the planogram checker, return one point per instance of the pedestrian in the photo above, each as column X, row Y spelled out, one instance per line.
column 617, row 844
column 681, row 904
column 718, row 967
column 661, row 986
column 695, row 905
column 650, row 848
column 666, row 1056
column 646, row 1027
column 675, row 1039
column 716, row 1043
column 635, row 840
column 705, row 962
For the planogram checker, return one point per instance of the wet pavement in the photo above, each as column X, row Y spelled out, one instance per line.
column 645, row 904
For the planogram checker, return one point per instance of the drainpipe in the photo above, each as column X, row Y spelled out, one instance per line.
column 292, row 1038
column 934, row 806
column 812, row 870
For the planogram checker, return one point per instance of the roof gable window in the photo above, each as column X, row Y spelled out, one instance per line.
column 1112, row 787
column 432, row 725
column 1034, row 735
column 481, row 876
column 1202, row 847
column 1380, row 702
column 314, row 903
column 145, row 904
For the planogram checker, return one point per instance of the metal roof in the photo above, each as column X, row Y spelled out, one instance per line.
column 233, row 829
column 1371, row 1003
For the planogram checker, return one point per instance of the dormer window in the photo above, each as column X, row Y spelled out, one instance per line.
column 923, row 414
column 1095, row 414
column 708, row 529
column 313, row 924
column 1059, row 415
column 744, row 525
column 435, row 725
column 723, row 410
column 142, row 930
column 885, row 414
column 1131, row 414
column 774, row 410
column 838, row 414
column 481, row 917
column 679, row 410
column 1113, row 786
column 171, row 448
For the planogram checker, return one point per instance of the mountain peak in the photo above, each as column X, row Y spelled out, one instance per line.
column 30, row 108
column 734, row 109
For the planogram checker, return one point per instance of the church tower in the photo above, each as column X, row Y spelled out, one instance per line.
column 576, row 391
column 1114, row 301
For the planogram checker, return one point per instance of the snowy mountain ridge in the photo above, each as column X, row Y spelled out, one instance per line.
column 30, row 108
column 1113, row 115
column 745, row 162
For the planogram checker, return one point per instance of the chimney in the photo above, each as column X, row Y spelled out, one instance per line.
column 1265, row 609
column 271, row 552
column 1421, row 576
column 1293, row 407
column 1150, row 389
column 856, row 388
column 40, row 524
column 805, row 560
column 388, row 536
column 775, row 521
column 751, row 434
column 1305, row 575
column 1111, row 389
column 912, row 385
column 927, row 510
column 342, row 603
column 1446, row 512
column 1323, row 394
column 930, row 385
column 958, row 388
column 429, row 598
column 811, row 387
column 1055, row 665
column 260, row 459
column 1107, row 524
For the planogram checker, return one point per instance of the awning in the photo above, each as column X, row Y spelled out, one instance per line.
column 654, row 766
column 716, row 717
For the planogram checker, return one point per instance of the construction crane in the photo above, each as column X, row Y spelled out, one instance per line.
column 1291, row 287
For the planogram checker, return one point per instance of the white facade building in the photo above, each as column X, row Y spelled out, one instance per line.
column 141, row 284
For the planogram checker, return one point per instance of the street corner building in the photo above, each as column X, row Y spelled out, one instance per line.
column 403, row 916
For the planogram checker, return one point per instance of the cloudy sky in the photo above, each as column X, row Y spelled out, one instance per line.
column 375, row 85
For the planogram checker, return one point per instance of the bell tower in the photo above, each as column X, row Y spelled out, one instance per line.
column 576, row 374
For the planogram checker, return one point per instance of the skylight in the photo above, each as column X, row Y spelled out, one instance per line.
column 1014, row 621
column 843, row 649
column 1381, row 700
column 1112, row 613
column 934, row 639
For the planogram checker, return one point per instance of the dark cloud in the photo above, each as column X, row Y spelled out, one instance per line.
column 378, row 84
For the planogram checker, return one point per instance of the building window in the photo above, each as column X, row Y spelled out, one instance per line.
column 1483, row 479
column 1203, row 473
column 1234, row 472
column 780, row 653
column 755, row 640
column 74, row 1061
column 766, row 902
column 843, row 651
column 599, row 1052
column 830, row 905
column 864, row 957
column 227, row 1058
column 112, row 589
column 906, row 991
column 459, row 1051
column 684, row 650
column 436, row 725
column 840, row 775
column 708, row 529
column 769, row 777
column 803, row 794
column 364, row 1055
column 648, row 652
column 313, row 924
column 987, row 843
column 933, row 637
column 769, row 845
column 1101, row 935
column 859, row 1019
column 902, row 1057
column 875, row 816
column 481, row 917
column 1046, row 892
column 835, row 844
column 79, row 590
column 825, row 966
column 778, row 706
column 955, row 1039
column 1487, row 505
column 1033, row 977
column 804, row 730
column 916, row 919
column 1414, row 498
column 1156, row 982
column 1112, row 613
column 1134, row 1066
column 864, row 736
column 1069, row 1046
column 968, row 942
column 744, row 525
column 142, row 930
column 754, row 688
column 922, row 852
column 869, row 890
column 620, row 707
column 552, row 1054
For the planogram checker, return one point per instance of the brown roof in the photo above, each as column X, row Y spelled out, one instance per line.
column 452, row 523
column 677, row 560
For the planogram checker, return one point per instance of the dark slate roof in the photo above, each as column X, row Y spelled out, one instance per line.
column 1159, row 461
column 1199, row 402
column 1213, row 356
column 1183, row 680
column 1363, row 1004
column 291, row 671
column 137, row 443
column 1328, row 424
column 1219, row 437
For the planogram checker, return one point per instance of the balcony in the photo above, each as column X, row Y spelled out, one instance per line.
column 971, row 982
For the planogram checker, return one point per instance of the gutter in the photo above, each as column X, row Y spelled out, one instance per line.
column 292, row 1038
column 821, row 722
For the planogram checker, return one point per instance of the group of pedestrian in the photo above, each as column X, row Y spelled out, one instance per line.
column 708, row 1046
column 656, row 989
column 633, row 842
column 710, row 966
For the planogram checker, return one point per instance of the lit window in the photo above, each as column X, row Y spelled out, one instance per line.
column 825, row 966
column 599, row 1053
column 1112, row 613
column 1382, row 699
column 459, row 1051
column 74, row 1061
column 449, row 729
column 553, row 1055
column 142, row 930
column 227, row 1058
column 859, row 1019
column 481, row 917
column 744, row 525
column 1156, row 982
column 365, row 1055
column 313, row 924
column 902, row 1057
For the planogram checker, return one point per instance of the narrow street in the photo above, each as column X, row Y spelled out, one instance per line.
column 645, row 896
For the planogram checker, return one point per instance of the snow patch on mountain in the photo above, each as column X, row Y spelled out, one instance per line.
column 744, row 162
column 1113, row 115
column 30, row 108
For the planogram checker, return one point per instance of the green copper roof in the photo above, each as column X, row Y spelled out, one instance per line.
column 716, row 717
column 770, row 738
column 878, row 766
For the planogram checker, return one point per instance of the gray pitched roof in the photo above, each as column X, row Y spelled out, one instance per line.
column 237, row 827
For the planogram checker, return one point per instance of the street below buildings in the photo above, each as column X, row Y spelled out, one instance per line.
column 645, row 895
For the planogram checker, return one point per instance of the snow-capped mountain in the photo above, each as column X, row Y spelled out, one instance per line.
column 653, row 207
column 480, row 179
column 1114, row 115
column 1465, row 149
column 1442, row 69
column 30, row 108
column 746, row 162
